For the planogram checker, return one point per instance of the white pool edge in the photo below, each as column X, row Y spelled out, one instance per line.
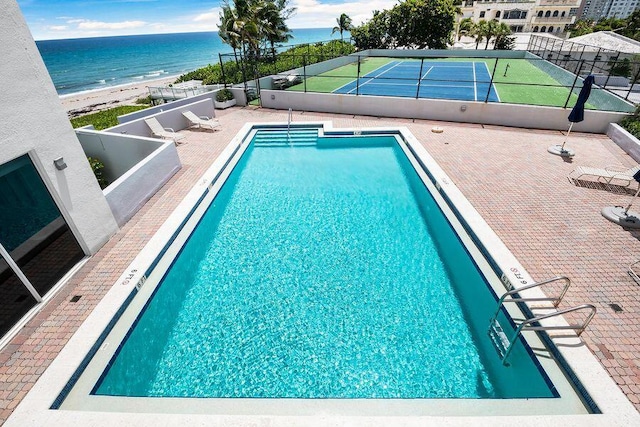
column 34, row 408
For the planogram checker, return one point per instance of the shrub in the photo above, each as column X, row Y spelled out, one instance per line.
column 224, row 95
column 145, row 100
column 105, row 119
column 97, row 166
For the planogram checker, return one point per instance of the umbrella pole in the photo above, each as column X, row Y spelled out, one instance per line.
column 566, row 137
column 632, row 199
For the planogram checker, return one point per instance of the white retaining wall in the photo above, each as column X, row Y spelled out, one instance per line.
column 169, row 117
column 525, row 116
column 137, row 168
column 625, row 140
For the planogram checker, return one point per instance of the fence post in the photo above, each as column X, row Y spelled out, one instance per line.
column 615, row 62
column 420, row 78
column 358, row 78
column 495, row 67
column 571, row 91
column 595, row 58
column 224, row 79
column 635, row 79
column 304, row 72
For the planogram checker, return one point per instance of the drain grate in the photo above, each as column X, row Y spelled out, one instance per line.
column 76, row 298
column 616, row 308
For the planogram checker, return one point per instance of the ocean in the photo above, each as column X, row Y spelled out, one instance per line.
column 78, row 65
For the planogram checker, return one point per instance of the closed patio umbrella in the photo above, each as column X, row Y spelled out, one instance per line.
column 621, row 215
column 576, row 115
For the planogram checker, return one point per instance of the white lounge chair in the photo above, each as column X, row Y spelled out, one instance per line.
column 609, row 175
column 165, row 133
column 202, row 121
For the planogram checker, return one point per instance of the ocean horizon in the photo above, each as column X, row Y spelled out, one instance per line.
column 89, row 64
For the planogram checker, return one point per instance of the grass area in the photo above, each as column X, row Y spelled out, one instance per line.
column 516, row 87
column 332, row 80
column 107, row 118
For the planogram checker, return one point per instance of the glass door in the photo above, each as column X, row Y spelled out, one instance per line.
column 34, row 236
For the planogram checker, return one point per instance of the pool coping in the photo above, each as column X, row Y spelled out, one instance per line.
column 34, row 409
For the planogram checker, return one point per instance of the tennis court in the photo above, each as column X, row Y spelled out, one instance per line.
column 465, row 81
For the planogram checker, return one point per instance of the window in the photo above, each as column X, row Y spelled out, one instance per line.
column 536, row 29
column 543, row 29
column 555, row 13
column 547, row 14
column 540, row 14
column 498, row 14
column 482, row 14
column 551, row 29
column 562, row 14
column 514, row 14
column 573, row 11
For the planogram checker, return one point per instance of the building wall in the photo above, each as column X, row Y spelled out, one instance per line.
column 565, row 12
column 32, row 120
column 596, row 9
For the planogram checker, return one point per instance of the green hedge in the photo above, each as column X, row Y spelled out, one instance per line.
column 291, row 58
column 107, row 118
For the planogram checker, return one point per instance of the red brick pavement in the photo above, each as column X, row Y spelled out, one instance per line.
column 552, row 226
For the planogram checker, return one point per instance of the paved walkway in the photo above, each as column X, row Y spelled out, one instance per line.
column 553, row 228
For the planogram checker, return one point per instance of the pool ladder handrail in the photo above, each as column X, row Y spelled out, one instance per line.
column 555, row 301
column 289, row 118
column 505, row 345
column 525, row 325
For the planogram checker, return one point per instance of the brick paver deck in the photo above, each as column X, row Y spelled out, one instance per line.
column 552, row 226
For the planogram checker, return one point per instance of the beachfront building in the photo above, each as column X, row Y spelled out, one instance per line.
column 543, row 16
column 52, row 210
column 597, row 9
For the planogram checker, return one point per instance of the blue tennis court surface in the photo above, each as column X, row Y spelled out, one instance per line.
column 465, row 81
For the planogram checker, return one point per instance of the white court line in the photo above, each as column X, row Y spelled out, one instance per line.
column 425, row 74
column 373, row 78
column 492, row 84
column 475, row 86
column 373, row 71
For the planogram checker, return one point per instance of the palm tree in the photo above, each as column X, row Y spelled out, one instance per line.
column 489, row 31
column 272, row 16
column 502, row 32
column 465, row 27
column 344, row 24
column 479, row 30
column 225, row 29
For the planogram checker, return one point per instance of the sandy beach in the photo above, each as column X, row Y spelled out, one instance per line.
column 90, row 101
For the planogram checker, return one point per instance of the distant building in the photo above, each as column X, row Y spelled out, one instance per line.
column 539, row 16
column 596, row 9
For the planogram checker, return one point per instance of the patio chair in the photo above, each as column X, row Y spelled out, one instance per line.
column 165, row 133
column 609, row 175
column 202, row 121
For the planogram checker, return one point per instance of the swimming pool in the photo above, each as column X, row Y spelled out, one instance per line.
column 398, row 257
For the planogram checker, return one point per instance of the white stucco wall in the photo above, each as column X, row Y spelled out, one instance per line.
column 525, row 116
column 33, row 120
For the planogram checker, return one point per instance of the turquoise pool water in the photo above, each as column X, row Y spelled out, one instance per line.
column 321, row 270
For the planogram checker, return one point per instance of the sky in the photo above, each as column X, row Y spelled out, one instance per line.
column 62, row 19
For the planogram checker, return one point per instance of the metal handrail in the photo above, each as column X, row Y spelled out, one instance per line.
column 556, row 301
column 632, row 272
column 289, row 125
column 578, row 328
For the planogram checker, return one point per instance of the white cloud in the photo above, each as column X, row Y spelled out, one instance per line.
column 58, row 27
column 208, row 17
column 97, row 25
column 315, row 14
